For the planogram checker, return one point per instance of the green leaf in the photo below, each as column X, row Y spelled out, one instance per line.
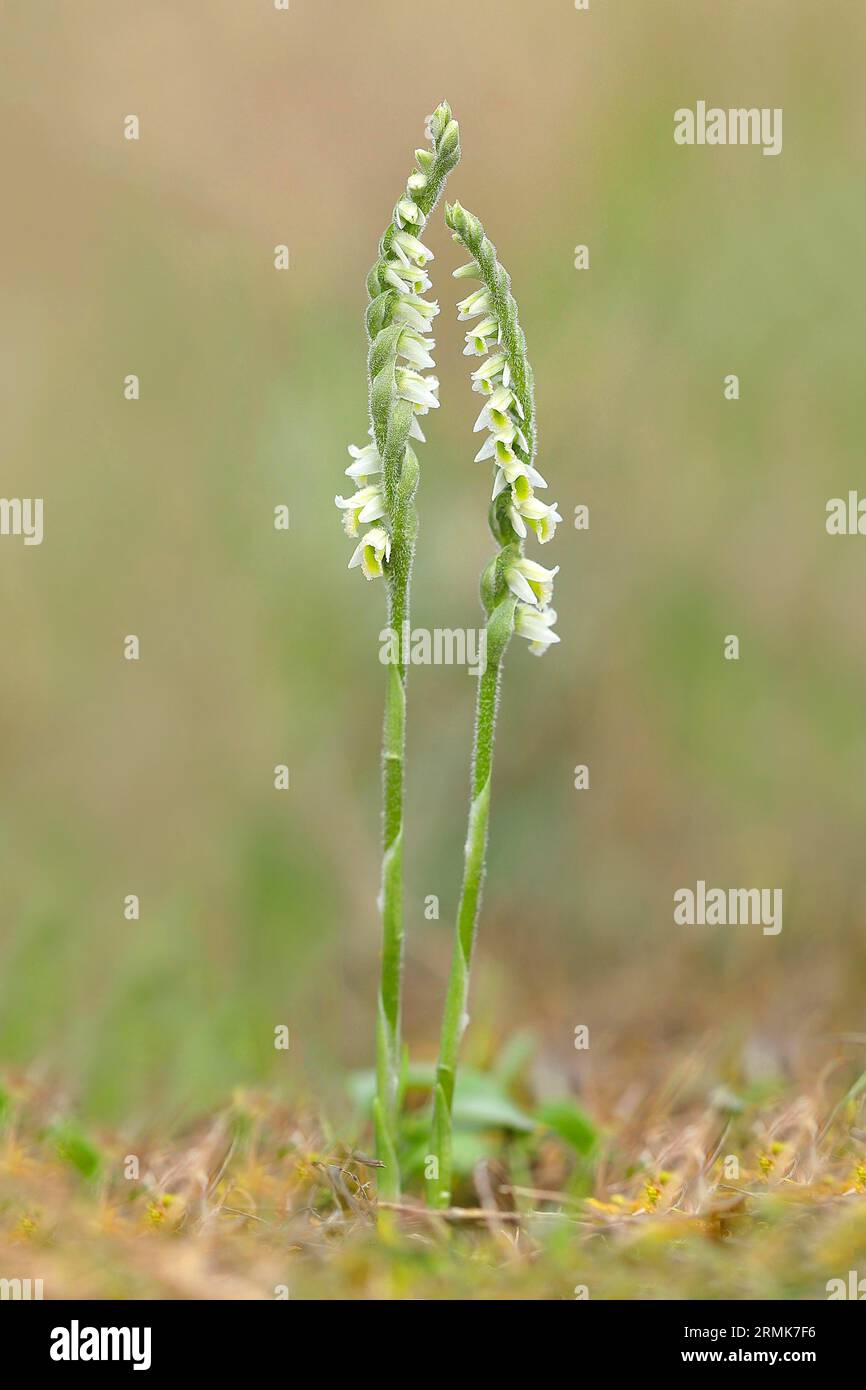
column 480, row 1100
column 566, row 1118
column 76, row 1150
column 361, row 1085
column 468, row 1147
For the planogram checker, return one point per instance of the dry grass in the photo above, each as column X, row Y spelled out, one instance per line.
column 257, row 1199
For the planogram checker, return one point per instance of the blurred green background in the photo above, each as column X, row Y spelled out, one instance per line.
column 257, row 647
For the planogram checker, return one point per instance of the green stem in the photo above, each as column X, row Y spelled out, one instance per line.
column 455, row 1018
column 401, row 481
column 388, row 1031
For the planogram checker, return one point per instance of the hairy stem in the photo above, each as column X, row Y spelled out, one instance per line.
column 388, row 1029
column 455, row 1016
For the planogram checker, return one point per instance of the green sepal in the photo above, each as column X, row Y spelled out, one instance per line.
column 383, row 348
column 491, row 585
column 500, row 628
column 499, row 520
column 393, row 453
column 467, row 227
column 448, row 149
column 439, row 122
column 494, row 586
column 407, row 483
column 379, row 311
column 374, row 281
column 382, row 394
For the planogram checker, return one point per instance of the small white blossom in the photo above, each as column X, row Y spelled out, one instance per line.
column 535, row 624
column 491, row 374
column 479, row 338
column 372, row 550
column 420, row 390
column 525, row 508
column 531, row 582
column 407, row 279
column 368, row 504
column 545, row 525
column 416, row 348
column 410, row 250
column 507, row 475
column 470, row 271
column 415, row 312
column 496, row 409
column 474, row 304
column 367, row 461
column 407, row 211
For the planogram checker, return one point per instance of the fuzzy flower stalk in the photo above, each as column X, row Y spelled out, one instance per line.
column 516, row 593
column 385, row 472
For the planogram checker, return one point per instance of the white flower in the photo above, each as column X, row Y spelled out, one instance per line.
column 367, row 461
column 506, row 429
column 406, row 279
column 500, row 450
column 492, row 373
column 507, row 475
column 476, row 303
column 410, row 250
column 510, row 466
column 415, row 312
column 478, row 338
column 531, row 582
column 495, row 414
column 420, row 390
column 535, row 624
column 368, row 504
column 416, row 348
column 407, row 211
column 526, row 507
column 499, row 403
column 486, row 451
column 372, row 550
column 545, row 525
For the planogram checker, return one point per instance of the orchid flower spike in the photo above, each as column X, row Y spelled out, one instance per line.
column 399, row 320
column 504, row 379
